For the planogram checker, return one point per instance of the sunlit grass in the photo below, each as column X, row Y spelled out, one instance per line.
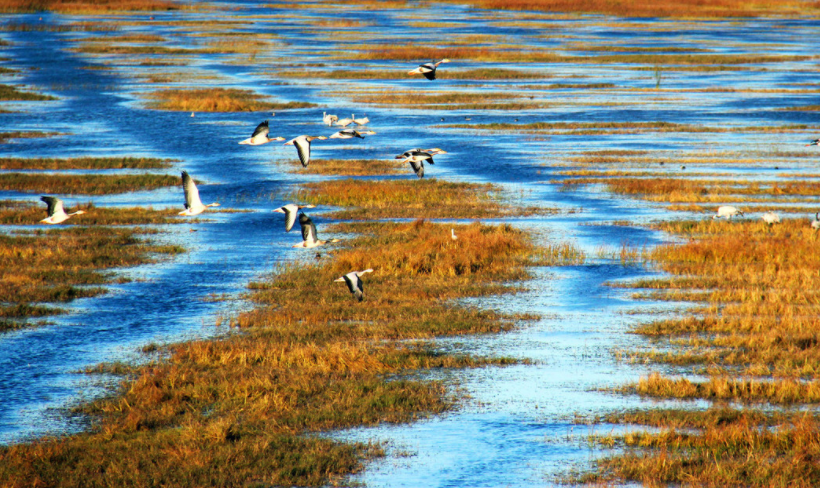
column 84, row 184
column 351, row 167
column 584, row 128
column 374, row 73
column 30, row 213
column 217, row 100
column 84, row 163
column 85, row 6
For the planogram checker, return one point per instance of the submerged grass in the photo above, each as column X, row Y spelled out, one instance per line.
column 217, row 100
column 5, row 137
column 84, row 184
column 234, row 411
column 60, row 265
column 11, row 93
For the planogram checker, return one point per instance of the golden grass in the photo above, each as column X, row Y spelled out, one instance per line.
column 233, row 411
column 84, row 163
column 84, row 184
column 351, row 167
column 447, row 100
column 29, row 213
column 217, row 100
column 411, row 198
column 677, row 9
column 60, row 265
column 85, row 6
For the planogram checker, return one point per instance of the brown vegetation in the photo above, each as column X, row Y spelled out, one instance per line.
column 60, row 265
column 6, row 136
column 351, row 167
column 381, row 73
column 678, row 9
column 84, row 184
column 217, row 100
column 8, row 92
column 85, row 6
column 84, row 163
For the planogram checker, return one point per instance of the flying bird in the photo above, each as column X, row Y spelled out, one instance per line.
column 815, row 142
column 417, row 158
column 309, row 237
column 291, row 210
column 727, row 211
column 351, row 133
column 260, row 136
column 56, row 212
column 428, row 69
column 193, row 205
column 302, row 144
column 354, row 283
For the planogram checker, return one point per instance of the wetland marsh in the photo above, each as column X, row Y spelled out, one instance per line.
column 590, row 323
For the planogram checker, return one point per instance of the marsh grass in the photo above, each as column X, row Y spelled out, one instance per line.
column 234, row 411
column 584, row 128
column 10, row 93
column 351, row 167
column 63, row 264
column 30, row 213
column 217, row 100
column 84, row 163
column 84, row 184
column 5, row 137
column 85, row 6
column 385, row 74
column 678, row 9
column 445, row 101
column 410, row 198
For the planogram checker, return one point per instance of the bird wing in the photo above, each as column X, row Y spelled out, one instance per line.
column 261, row 129
column 53, row 203
column 303, row 148
column 290, row 218
column 308, row 229
column 354, row 284
column 418, row 167
column 191, row 193
column 430, row 75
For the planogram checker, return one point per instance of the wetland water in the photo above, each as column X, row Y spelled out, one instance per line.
column 515, row 425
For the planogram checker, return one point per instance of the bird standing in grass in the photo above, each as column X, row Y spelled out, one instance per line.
column 310, row 238
column 193, row 205
column 770, row 218
column 453, row 235
column 56, row 212
column 302, row 144
column 354, row 283
column 815, row 224
column 727, row 211
column 260, row 136
column 291, row 210
column 428, row 69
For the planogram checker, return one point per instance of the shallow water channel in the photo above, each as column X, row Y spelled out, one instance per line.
column 513, row 426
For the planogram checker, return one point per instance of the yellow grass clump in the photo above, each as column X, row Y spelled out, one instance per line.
column 217, row 100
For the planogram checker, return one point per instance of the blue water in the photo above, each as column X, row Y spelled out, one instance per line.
column 513, row 426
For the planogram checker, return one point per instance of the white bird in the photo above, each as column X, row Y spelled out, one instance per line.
column 346, row 121
column 329, row 119
column 193, row 205
column 309, row 237
column 260, row 136
column 362, row 121
column 815, row 224
column 428, row 69
column 453, row 235
column 727, row 211
column 56, row 212
column 291, row 210
column 354, row 283
column 815, row 142
column 351, row 133
column 770, row 218
column 302, row 144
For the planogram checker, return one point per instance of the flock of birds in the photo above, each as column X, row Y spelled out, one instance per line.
column 261, row 135
column 415, row 157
